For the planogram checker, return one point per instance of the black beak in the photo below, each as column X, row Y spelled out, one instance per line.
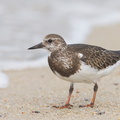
column 40, row 45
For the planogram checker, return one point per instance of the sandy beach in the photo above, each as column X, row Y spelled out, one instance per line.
column 32, row 92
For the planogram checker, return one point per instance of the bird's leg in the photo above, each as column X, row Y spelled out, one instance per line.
column 93, row 99
column 69, row 96
column 67, row 105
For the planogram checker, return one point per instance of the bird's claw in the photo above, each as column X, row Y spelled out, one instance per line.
column 89, row 105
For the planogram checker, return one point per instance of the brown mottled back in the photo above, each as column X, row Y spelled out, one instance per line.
column 97, row 57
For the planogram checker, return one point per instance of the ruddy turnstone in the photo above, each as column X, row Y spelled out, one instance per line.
column 78, row 63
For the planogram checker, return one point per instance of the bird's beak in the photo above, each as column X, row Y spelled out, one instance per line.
column 40, row 45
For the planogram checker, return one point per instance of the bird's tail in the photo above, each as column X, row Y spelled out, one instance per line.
column 118, row 53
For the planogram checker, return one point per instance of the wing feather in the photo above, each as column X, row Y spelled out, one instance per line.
column 95, row 56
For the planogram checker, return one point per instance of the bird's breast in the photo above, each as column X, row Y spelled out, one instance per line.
column 64, row 63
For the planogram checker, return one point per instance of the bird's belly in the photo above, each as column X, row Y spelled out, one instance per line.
column 87, row 74
column 80, row 77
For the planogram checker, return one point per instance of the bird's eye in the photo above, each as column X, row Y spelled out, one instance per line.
column 49, row 40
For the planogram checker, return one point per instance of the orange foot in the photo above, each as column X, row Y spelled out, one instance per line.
column 89, row 105
column 65, row 106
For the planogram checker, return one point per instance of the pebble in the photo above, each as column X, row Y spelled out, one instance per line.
column 35, row 111
column 77, row 92
column 86, row 99
column 116, row 84
column 98, row 112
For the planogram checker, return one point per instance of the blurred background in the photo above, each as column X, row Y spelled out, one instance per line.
column 24, row 23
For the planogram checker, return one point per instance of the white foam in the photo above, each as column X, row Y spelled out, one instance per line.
column 4, row 80
column 14, row 65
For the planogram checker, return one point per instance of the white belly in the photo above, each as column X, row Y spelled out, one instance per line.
column 87, row 74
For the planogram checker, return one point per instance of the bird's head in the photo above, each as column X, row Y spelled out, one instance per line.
column 51, row 42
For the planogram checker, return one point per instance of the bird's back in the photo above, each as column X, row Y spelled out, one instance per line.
column 96, row 56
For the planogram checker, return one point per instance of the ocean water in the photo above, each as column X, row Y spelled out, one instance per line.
column 24, row 23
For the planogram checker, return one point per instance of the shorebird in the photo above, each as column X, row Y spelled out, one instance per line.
column 78, row 63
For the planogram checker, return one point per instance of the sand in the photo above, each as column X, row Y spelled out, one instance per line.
column 32, row 92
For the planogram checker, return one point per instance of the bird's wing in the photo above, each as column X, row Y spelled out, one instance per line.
column 95, row 56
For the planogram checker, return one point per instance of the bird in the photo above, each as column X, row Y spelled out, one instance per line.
column 78, row 63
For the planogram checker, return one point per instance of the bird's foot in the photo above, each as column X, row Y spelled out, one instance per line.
column 65, row 106
column 89, row 105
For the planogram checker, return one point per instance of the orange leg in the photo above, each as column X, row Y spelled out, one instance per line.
column 93, row 99
column 67, row 105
